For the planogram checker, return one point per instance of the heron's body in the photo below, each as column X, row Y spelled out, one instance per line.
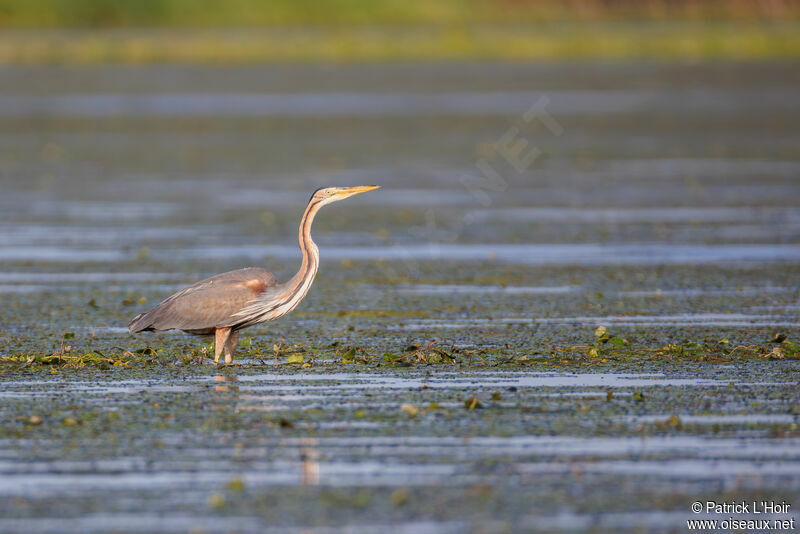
column 225, row 303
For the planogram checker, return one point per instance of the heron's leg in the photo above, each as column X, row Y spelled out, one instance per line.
column 221, row 340
column 230, row 346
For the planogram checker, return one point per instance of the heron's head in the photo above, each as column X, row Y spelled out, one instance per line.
column 332, row 194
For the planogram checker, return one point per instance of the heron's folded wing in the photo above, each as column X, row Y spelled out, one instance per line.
column 208, row 304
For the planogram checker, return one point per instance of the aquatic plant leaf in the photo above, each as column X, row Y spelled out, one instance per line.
column 410, row 409
column 472, row 403
column 216, row 500
column 294, row 358
column 399, row 497
column 618, row 341
column 778, row 338
column 600, row 331
column 236, row 484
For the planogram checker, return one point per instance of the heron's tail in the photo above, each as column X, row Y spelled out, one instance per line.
column 140, row 323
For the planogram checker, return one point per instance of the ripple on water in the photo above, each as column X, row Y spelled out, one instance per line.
column 449, row 289
column 684, row 319
column 181, row 523
column 641, row 215
column 527, row 254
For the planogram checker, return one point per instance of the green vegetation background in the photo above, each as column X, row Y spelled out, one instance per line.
column 235, row 31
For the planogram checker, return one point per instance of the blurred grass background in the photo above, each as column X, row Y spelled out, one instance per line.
column 236, row 31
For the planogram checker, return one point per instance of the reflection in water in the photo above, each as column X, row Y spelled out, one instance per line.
column 309, row 461
column 223, row 379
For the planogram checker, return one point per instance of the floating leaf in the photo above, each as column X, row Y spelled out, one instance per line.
column 216, row 500
column 294, row 358
column 399, row 496
column 600, row 331
column 674, row 420
column 618, row 341
column 778, row 338
column 472, row 403
column 236, row 484
column 349, row 355
column 410, row 409
column 69, row 335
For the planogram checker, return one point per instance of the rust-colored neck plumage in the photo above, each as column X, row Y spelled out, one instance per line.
column 310, row 262
column 283, row 298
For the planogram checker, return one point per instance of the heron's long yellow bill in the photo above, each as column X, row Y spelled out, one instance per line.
column 356, row 189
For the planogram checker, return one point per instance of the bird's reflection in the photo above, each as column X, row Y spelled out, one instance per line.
column 308, row 447
column 224, row 386
column 309, row 461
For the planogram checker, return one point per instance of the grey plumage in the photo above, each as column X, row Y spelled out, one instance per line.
column 208, row 304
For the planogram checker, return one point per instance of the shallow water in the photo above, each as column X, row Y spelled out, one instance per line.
column 687, row 319
column 661, row 204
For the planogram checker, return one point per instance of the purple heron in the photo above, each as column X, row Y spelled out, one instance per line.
column 228, row 302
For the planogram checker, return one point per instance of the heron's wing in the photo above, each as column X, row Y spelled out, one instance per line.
column 207, row 304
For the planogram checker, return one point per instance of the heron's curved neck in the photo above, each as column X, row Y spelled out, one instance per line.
column 285, row 297
column 300, row 283
column 307, row 246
